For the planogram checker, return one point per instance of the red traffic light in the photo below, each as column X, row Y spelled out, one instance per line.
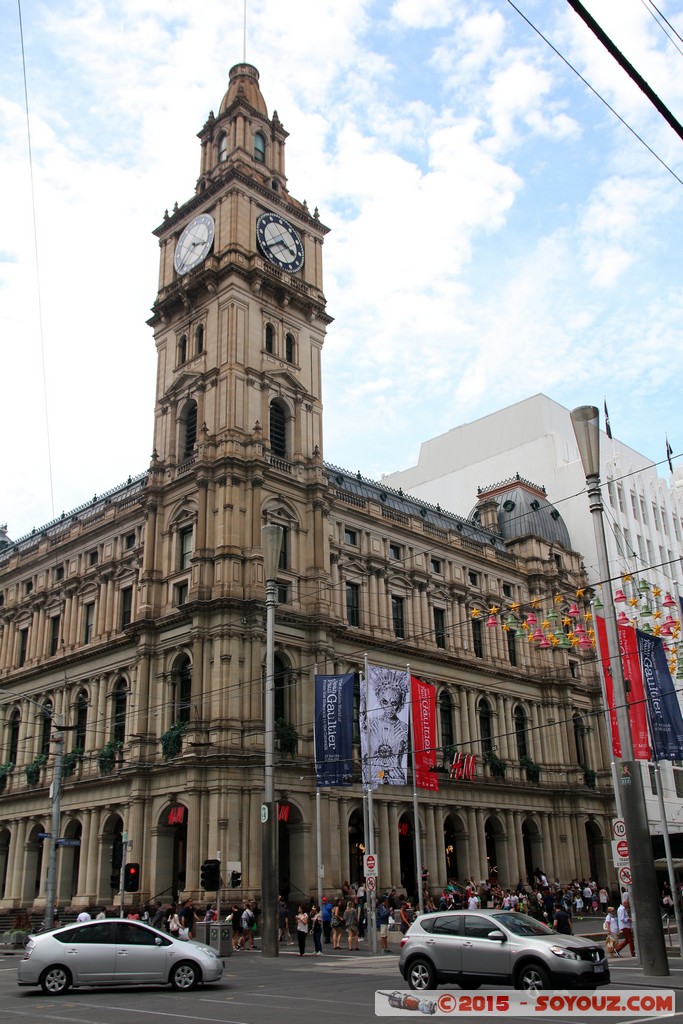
column 131, row 878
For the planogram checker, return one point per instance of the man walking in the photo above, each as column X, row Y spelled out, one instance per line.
column 383, row 915
column 625, row 926
column 327, row 919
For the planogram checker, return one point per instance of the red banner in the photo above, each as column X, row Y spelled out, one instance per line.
column 423, row 705
column 633, row 683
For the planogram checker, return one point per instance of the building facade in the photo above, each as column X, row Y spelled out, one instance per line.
column 135, row 626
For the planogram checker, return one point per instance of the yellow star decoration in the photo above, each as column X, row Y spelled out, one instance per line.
column 566, row 621
column 526, row 627
column 506, row 629
column 581, row 592
column 626, row 577
column 589, row 616
column 657, row 614
column 494, row 609
column 475, row 613
column 530, row 637
column 545, row 624
column 535, row 602
column 656, row 591
column 657, row 630
column 558, row 599
column 514, row 607
column 633, row 601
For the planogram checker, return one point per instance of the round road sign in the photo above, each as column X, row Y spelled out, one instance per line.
column 371, row 883
column 625, row 876
column 370, row 864
column 618, row 828
column 622, row 848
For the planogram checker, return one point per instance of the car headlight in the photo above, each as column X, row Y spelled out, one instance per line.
column 210, row 951
column 566, row 954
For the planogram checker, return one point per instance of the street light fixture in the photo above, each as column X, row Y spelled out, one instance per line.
column 651, row 946
column 272, row 545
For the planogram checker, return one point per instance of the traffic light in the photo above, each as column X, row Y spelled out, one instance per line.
column 131, row 878
column 236, row 879
column 211, row 875
column 115, row 881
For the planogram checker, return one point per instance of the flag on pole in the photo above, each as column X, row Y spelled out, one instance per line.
column 384, row 727
column 608, row 429
column 666, row 722
column 333, row 730
column 635, row 696
column 669, row 453
column 423, row 709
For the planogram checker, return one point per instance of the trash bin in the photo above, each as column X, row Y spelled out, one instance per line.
column 220, row 938
column 201, row 932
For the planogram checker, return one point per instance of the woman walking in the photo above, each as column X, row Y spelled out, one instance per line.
column 301, row 929
column 317, row 929
column 337, row 927
column 351, row 924
column 611, row 926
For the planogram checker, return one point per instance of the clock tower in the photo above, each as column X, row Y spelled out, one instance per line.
column 239, row 323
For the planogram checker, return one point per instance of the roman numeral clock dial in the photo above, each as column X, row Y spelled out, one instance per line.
column 279, row 242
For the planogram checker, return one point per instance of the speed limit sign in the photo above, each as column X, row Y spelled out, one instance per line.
column 371, row 883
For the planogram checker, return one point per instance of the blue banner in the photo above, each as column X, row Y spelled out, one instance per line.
column 333, row 730
column 666, row 721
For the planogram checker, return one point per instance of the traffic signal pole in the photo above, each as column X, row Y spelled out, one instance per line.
column 122, row 878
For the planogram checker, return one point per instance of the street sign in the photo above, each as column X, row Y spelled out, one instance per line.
column 618, row 828
column 622, row 848
column 620, row 853
column 625, row 876
column 45, row 835
column 68, row 842
column 370, row 863
column 371, row 883
column 264, row 813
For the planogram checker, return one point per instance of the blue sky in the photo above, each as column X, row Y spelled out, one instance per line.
column 496, row 231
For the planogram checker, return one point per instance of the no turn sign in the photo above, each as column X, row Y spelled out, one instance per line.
column 370, row 864
column 371, row 883
column 625, row 876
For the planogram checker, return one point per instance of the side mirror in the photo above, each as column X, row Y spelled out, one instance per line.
column 497, row 936
column 158, row 941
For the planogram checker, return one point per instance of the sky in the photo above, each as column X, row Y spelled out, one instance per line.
column 496, row 231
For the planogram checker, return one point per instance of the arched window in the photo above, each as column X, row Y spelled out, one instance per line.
column 13, row 739
column 259, row 147
column 222, row 148
column 484, row 714
column 270, row 338
column 199, row 339
column 182, row 349
column 278, row 430
column 289, row 348
column 446, row 719
column 81, row 719
column 46, row 728
column 579, row 738
column 182, row 679
column 520, row 733
column 119, row 707
column 188, row 429
column 280, row 687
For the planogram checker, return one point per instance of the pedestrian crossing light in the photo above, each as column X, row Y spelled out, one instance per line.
column 131, row 878
column 236, row 879
column 211, row 875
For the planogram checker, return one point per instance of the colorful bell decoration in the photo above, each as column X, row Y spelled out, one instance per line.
column 646, row 628
column 644, row 587
column 598, row 605
column 580, row 632
column 574, row 610
column 519, row 633
column 665, row 629
column 620, row 597
column 585, row 642
column 669, row 602
column 538, row 634
column 645, row 610
column 551, row 617
column 544, row 644
column 565, row 643
column 623, row 619
column 492, row 621
column 531, row 619
column 669, row 623
column 511, row 622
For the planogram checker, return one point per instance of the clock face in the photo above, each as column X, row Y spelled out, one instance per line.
column 194, row 243
column 279, row 242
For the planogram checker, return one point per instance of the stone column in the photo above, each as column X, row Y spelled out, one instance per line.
column 481, row 837
column 433, row 851
column 513, row 854
column 384, row 842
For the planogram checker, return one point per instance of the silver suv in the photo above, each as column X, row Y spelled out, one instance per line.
column 471, row 947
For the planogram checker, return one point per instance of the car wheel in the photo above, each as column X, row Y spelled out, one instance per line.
column 533, row 978
column 421, row 975
column 185, row 976
column 55, row 980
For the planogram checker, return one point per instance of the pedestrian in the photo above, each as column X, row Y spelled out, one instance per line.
column 187, row 918
column 337, row 926
column 235, row 918
column 351, row 924
column 158, row 917
column 301, row 929
column 248, row 921
column 404, row 915
column 83, row 916
column 625, row 926
column 173, row 923
column 283, row 922
column 383, row 915
column 326, row 911
column 316, row 929
column 611, row 926
column 561, row 922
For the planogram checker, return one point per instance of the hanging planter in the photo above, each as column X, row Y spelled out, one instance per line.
column 590, row 777
column 70, row 762
column 5, row 770
column 106, row 759
column 172, row 740
column 533, row 772
column 34, row 768
column 286, row 737
column 497, row 767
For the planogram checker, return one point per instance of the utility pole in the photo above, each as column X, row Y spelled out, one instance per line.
column 56, row 799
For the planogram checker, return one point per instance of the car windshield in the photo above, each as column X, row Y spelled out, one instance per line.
column 521, row 924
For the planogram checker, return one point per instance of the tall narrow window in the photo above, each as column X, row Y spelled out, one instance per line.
column 259, row 148
column 23, row 646
column 269, row 338
column 477, row 638
column 512, row 647
column 184, row 547
column 278, row 430
column 579, row 739
column 46, row 728
column 199, row 339
column 280, row 687
column 54, row 634
column 440, row 627
column 446, row 719
column 183, row 689
column 119, row 707
column 82, row 703
column 520, row 733
column 289, row 348
column 353, row 604
column 188, row 429
column 484, row 712
column 397, row 618
column 222, row 148
column 182, row 349
column 126, row 606
column 13, row 738
column 88, row 622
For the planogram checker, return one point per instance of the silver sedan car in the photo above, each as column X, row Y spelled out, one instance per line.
column 115, row 952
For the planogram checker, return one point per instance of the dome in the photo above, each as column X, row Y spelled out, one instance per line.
column 244, row 84
column 523, row 510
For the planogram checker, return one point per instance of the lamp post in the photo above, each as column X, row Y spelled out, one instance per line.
column 272, row 545
column 651, row 946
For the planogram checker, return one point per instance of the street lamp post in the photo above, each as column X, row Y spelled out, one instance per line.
column 272, row 545
column 651, row 945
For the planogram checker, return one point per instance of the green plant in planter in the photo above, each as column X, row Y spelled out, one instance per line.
column 590, row 777
column 496, row 765
column 5, row 770
column 172, row 740
column 106, row 759
column 533, row 772
column 70, row 762
column 286, row 736
column 449, row 752
column 33, row 769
